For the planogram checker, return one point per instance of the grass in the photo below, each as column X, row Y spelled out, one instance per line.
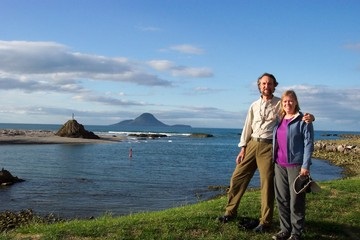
column 334, row 213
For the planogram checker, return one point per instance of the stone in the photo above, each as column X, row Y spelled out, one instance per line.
column 6, row 178
column 73, row 129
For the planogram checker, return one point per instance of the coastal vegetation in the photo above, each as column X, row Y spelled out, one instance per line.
column 333, row 213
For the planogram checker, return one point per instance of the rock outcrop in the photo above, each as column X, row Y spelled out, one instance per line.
column 6, row 178
column 201, row 135
column 343, row 152
column 73, row 129
column 334, row 147
column 147, row 135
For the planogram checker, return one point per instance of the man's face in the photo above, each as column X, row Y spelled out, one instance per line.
column 266, row 86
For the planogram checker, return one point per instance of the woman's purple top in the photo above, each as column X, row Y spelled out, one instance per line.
column 281, row 138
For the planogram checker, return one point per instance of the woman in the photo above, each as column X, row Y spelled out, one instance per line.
column 293, row 145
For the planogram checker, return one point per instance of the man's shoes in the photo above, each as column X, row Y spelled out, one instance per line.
column 247, row 223
column 226, row 218
column 294, row 237
column 261, row 228
column 281, row 236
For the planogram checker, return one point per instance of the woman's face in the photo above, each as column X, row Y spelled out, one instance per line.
column 289, row 104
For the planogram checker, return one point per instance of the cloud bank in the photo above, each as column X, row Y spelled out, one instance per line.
column 47, row 80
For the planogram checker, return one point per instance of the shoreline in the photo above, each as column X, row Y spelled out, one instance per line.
column 342, row 152
column 49, row 137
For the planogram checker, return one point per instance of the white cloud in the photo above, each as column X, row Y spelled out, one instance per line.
column 331, row 107
column 107, row 100
column 192, row 72
column 204, row 90
column 181, row 71
column 161, row 65
column 29, row 85
column 188, row 49
column 50, row 62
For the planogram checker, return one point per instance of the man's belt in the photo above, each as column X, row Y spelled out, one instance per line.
column 265, row 140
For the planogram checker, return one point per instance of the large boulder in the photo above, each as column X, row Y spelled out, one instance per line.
column 73, row 129
column 6, row 178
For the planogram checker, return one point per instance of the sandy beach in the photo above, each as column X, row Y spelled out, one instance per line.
column 10, row 136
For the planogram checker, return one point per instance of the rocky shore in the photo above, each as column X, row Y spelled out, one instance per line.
column 343, row 152
column 10, row 220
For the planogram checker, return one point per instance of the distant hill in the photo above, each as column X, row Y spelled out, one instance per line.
column 146, row 120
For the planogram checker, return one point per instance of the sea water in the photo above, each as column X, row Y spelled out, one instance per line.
column 84, row 180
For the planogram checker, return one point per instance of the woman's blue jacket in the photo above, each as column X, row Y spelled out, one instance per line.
column 300, row 141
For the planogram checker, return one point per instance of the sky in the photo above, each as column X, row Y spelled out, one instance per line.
column 185, row 61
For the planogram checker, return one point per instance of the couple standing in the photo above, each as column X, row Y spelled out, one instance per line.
column 275, row 133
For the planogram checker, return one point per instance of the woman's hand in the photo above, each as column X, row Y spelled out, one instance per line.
column 304, row 172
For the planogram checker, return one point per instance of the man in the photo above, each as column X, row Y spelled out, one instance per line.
column 256, row 153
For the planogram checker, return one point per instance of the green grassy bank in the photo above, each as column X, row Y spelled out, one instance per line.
column 334, row 213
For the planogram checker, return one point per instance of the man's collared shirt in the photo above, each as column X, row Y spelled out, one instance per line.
column 260, row 120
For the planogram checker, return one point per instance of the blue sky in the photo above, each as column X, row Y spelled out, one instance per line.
column 185, row 61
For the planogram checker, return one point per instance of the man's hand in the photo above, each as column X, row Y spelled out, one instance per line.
column 308, row 118
column 240, row 156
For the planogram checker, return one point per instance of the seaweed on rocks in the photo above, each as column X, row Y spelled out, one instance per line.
column 10, row 220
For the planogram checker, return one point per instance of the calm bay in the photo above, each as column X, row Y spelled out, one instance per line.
column 84, row 180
